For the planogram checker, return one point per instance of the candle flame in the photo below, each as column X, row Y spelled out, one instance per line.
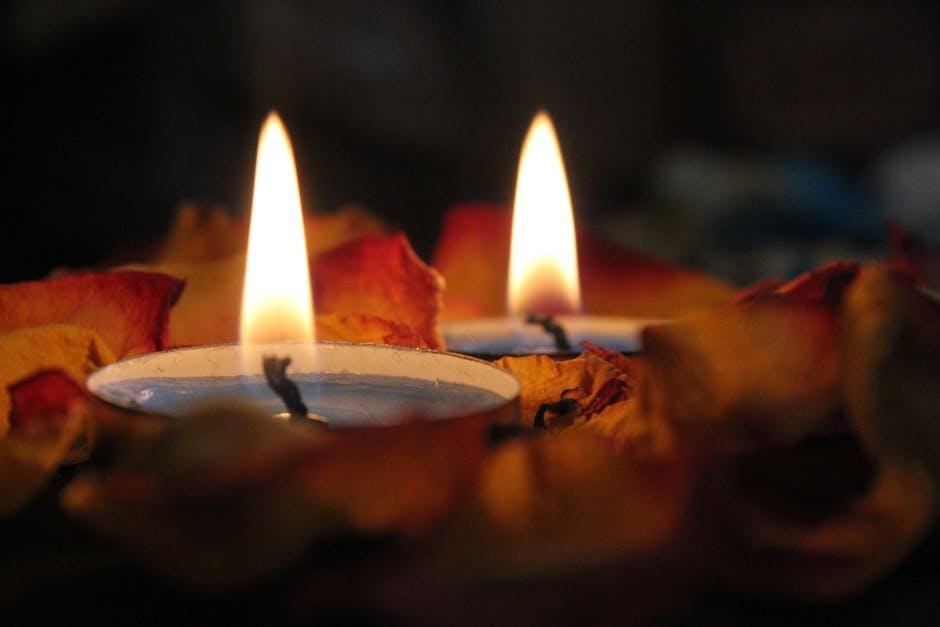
column 277, row 303
column 543, row 261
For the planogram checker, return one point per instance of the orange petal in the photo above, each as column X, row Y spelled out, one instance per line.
column 367, row 329
column 739, row 377
column 267, row 491
column 201, row 233
column 128, row 310
column 555, row 505
column 382, row 276
column 74, row 350
column 584, row 379
column 473, row 254
column 891, row 346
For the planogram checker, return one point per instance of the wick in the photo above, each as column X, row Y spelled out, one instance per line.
column 552, row 327
column 275, row 373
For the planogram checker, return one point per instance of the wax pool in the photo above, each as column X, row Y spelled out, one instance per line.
column 343, row 400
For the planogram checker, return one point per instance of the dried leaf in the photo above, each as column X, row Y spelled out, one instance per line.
column 128, row 310
column 744, row 377
column 473, row 254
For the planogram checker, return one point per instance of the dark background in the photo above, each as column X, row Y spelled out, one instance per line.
column 726, row 134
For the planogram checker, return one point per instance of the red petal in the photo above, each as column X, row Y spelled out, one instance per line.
column 46, row 395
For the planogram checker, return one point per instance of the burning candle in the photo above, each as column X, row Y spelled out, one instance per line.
column 544, row 292
column 277, row 362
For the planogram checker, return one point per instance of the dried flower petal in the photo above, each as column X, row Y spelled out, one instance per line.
column 556, row 504
column 128, row 310
column 74, row 350
column 382, row 276
column 229, row 497
column 740, row 377
column 201, row 233
column 891, row 347
column 473, row 254
column 378, row 276
column 824, row 286
column 545, row 380
column 367, row 329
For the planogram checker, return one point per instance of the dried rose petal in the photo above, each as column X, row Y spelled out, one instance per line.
column 545, row 380
column 368, row 329
column 553, row 505
column 128, row 310
column 891, row 347
column 473, row 254
column 228, row 497
column 47, row 395
column 380, row 275
column 825, row 286
column 744, row 377
column 201, row 233
column 74, row 350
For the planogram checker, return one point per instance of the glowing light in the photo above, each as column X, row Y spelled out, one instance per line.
column 543, row 262
column 277, row 303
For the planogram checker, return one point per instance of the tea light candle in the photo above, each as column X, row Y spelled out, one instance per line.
column 543, row 269
column 346, row 384
column 343, row 384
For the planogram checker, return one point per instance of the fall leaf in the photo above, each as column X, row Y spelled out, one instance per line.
column 128, row 310
column 473, row 254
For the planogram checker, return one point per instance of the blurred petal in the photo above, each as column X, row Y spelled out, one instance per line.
column 891, row 343
column 473, row 254
column 744, row 377
column 74, row 350
column 201, row 233
column 128, row 310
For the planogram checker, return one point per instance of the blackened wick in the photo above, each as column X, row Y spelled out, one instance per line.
column 552, row 327
column 275, row 373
